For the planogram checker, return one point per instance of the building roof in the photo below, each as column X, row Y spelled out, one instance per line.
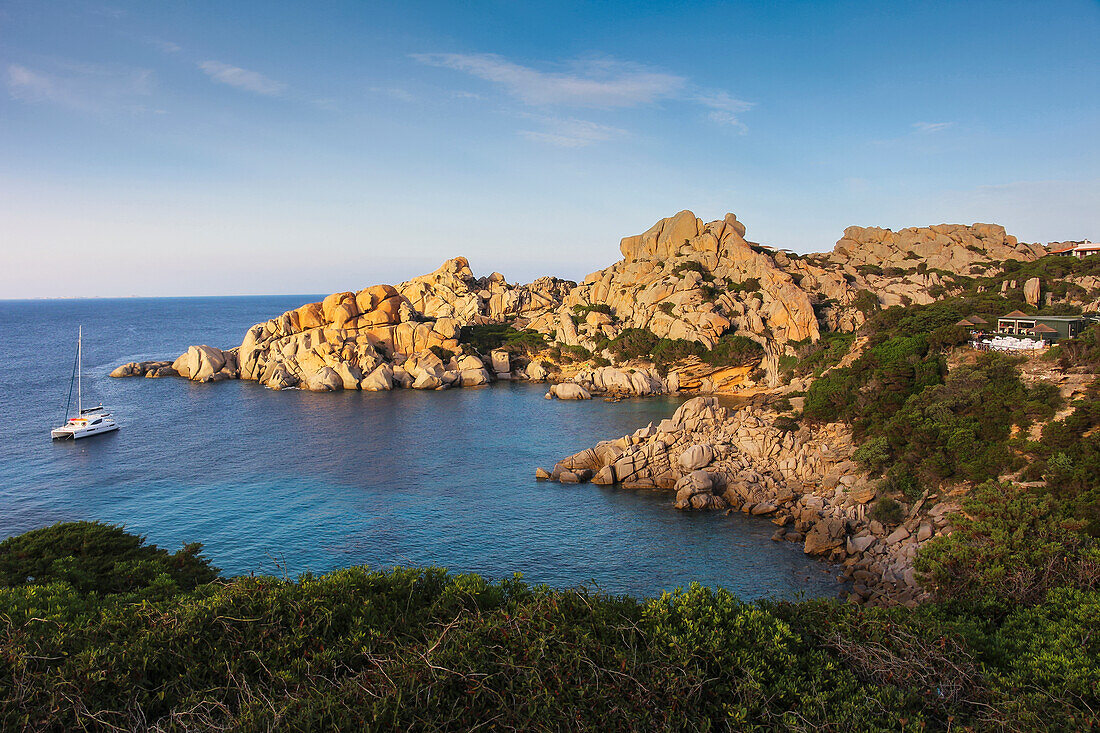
column 1060, row 250
column 978, row 321
column 966, row 322
column 1016, row 314
column 1044, row 328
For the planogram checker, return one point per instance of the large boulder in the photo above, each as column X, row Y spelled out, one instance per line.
column 570, row 391
column 1032, row 288
column 536, row 372
column 379, row 380
column 826, row 535
column 474, row 377
column 350, row 375
column 428, row 380
column 696, row 457
column 199, row 363
column 324, row 379
column 280, row 378
column 501, row 362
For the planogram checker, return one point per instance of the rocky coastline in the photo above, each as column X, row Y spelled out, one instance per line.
column 803, row 478
column 683, row 281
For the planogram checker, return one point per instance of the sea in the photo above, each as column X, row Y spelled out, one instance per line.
column 283, row 483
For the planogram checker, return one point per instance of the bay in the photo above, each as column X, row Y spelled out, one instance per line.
column 289, row 482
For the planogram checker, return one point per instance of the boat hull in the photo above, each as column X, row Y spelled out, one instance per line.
column 67, row 433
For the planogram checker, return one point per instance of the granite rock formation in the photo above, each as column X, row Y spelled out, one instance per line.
column 683, row 278
column 708, row 457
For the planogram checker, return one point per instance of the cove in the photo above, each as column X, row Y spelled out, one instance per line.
column 275, row 482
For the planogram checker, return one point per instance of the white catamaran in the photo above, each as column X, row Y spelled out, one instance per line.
column 88, row 421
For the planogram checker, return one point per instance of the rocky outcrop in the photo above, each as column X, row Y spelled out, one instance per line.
column 145, row 369
column 569, row 391
column 710, row 458
column 967, row 250
column 373, row 339
column 624, row 382
column 207, row 364
column 686, row 279
column 683, row 278
column 453, row 292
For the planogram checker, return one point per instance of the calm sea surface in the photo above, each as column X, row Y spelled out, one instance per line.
column 292, row 481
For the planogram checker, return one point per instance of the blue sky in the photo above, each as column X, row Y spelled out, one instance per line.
column 273, row 147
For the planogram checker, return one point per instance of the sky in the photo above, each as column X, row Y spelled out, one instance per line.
column 214, row 148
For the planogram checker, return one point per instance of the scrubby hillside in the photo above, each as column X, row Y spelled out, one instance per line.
column 422, row 650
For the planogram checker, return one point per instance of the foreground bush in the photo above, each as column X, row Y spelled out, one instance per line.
column 101, row 557
column 420, row 649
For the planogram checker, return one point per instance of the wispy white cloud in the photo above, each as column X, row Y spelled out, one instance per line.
column 600, row 84
column 725, row 109
column 83, row 87
column 596, row 83
column 165, row 46
column 249, row 81
column 925, row 128
column 572, row 133
column 397, row 93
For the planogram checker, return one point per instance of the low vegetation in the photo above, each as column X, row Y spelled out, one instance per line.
column 640, row 343
column 487, row 337
column 920, row 426
column 814, row 357
column 421, row 649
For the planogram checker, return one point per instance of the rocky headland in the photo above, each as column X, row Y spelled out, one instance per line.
column 802, row 477
column 682, row 280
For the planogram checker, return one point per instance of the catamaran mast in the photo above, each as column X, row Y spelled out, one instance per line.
column 79, row 365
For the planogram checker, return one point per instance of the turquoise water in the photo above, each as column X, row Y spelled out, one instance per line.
column 275, row 482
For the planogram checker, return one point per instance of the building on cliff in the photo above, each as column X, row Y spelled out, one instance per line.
column 1047, row 329
column 1080, row 250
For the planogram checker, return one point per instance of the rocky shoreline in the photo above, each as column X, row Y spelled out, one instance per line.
column 804, row 480
column 682, row 282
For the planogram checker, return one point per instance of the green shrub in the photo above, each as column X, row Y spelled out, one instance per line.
column 667, row 351
column 962, row 427
column 445, row 355
column 581, row 311
column 693, row 266
column 1011, row 546
column 573, row 354
column 734, row 350
column 874, row 455
column 887, row 511
column 813, row 358
column 748, row 285
column 419, row 649
column 91, row 556
column 866, row 302
column 487, row 337
column 633, row 343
